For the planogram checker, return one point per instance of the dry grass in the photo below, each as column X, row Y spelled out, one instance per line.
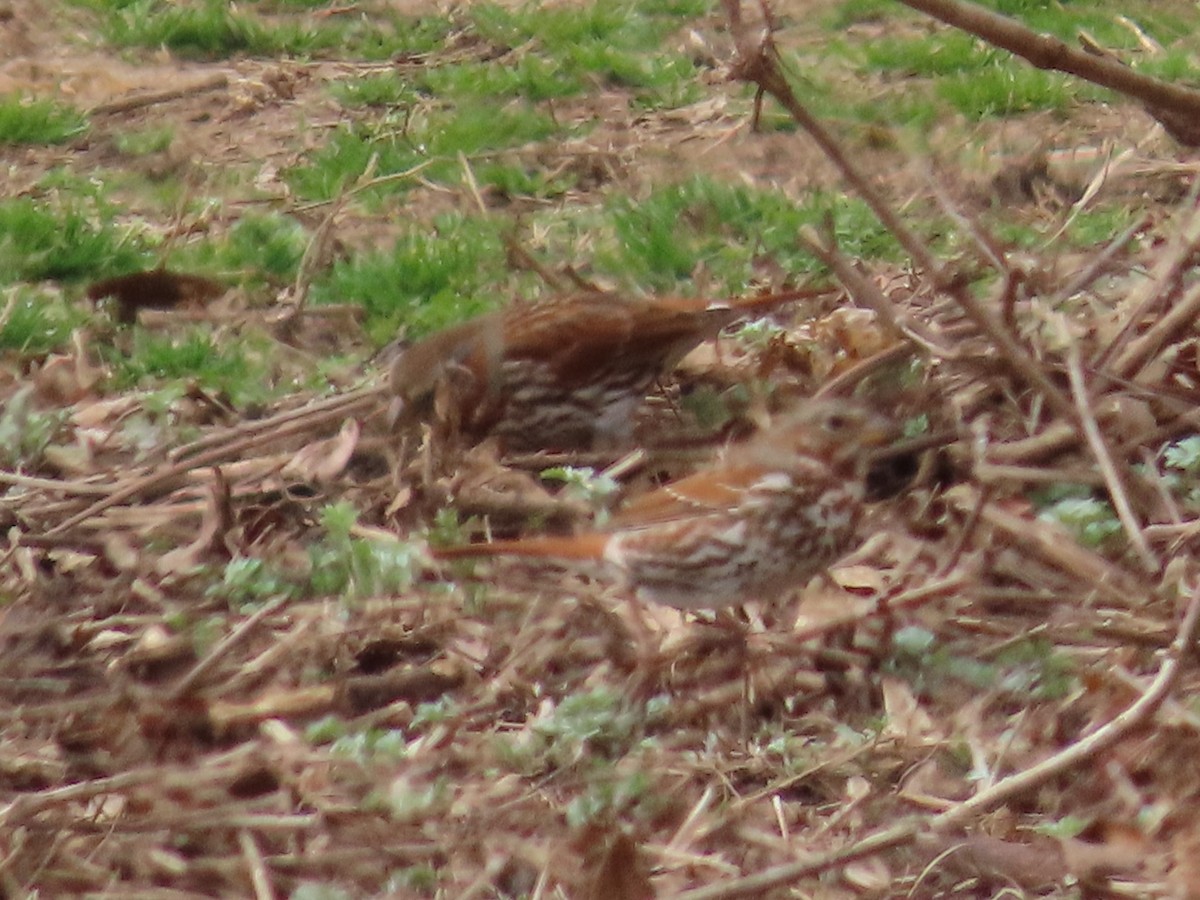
column 973, row 703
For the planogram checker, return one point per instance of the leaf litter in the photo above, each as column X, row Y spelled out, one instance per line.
column 215, row 686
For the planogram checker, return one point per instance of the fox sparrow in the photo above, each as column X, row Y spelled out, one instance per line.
column 780, row 508
column 565, row 373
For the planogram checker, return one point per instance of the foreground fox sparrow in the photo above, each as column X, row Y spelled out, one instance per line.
column 565, row 373
column 778, row 510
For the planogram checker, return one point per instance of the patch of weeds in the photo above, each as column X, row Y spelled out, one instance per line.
column 258, row 248
column 433, row 139
column 584, row 483
column 1174, row 65
column 660, row 241
column 611, row 798
column 1182, row 463
column 319, row 890
column 531, row 77
column 613, row 43
column 943, row 53
column 248, row 582
column 30, row 121
column 1007, row 89
column 1025, row 669
column 597, row 724
column 218, row 363
column 432, row 277
column 25, row 430
column 371, row 745
column 421, row 878
column 145, row 141
column 410, row 800
column 389, row 89
column 858, row 12
column 1091, row 520
column 353, row 568
column 210, row 30
column 35, row 321
column 38, row 243
column 510, row 182
column 1097, row 225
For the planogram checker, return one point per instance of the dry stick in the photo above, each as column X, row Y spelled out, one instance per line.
column 347, row 403
column 1081, row 751
column 235, row 637
column 1046, row 52
column 757, row 64
column 1167, row 273
column 24, row 807
column 169, row 473
column 143, row 100
column 1095, row 267
column 1104, row 459
column 259, row 876
column 1181, row 317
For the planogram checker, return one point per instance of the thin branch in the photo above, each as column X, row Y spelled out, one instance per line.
column 1104, row 459
column 1167, row 102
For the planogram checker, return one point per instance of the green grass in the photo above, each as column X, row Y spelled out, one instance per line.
column 259, row 249
column 433, row 138
column 213, row 29
column 238, row 368
column 28, row 121
column 38, row 242
column 659, row 241
column 616, row 44
column 37, row 321
column 432, row 276
column 145, row 141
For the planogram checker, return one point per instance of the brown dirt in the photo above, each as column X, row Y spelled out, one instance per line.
column 153, row 733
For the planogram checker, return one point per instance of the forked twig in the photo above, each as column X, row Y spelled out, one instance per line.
column 757, row 63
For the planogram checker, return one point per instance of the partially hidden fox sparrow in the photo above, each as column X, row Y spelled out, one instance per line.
column 564, row 373
column 776, row 511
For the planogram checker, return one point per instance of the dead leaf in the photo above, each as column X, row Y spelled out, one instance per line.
column 906, row 721
column 214, row 525
column 322, row 461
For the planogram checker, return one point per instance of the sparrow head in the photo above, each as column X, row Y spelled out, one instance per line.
column 836, row 431
column 415, row 374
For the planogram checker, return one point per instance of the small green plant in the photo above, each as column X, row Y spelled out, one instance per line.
column 371, row 744
column 610, row 797
column 375, row 90
column 145, row 141
column 34, row 320
column 433, row 139
column 421, row 878
column 353, row 568
column 1008, row 89
column 1092, row 520
column 586, row 484
column 218, row 361
column 28, row 121
column 247, row 582
column 37, row 242
column 259, row 248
